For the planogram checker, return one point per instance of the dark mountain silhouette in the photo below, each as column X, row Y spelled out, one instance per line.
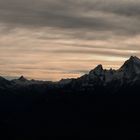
column 100, row 103
column 23, row 79
column 128, row 73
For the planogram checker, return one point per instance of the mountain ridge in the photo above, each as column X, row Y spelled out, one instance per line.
column 107, row 101
column 128, row 73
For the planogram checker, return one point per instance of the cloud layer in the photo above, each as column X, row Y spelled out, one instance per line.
column 54, row 39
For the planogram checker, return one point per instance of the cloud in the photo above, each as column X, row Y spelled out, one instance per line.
column 54, row 37
column 75, row 15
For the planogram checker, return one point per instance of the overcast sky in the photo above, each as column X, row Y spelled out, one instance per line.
column 54, row 39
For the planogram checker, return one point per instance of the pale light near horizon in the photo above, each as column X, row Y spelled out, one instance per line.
column 58, row 39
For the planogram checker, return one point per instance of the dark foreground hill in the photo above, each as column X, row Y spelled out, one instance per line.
column 101, row 103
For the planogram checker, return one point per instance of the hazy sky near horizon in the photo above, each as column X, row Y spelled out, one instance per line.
column 54, row 39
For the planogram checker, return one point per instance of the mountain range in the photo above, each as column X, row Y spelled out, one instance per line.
column 127, row 74
column 98, row 104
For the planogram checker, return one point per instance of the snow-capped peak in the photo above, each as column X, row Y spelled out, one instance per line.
column 133, row 60
column 129, row 72
column 131, row 66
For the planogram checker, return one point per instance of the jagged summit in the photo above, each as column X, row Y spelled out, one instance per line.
column 97, row 70
column 22, row 78
column 134, row 58
column 131, row 66
column 129, row 72
column 99, row 67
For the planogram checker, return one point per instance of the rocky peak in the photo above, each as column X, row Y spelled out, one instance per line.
column 23, row 79
column 98, row 70
column 132, row 65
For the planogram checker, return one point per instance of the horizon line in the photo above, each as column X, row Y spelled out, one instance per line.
column 47, row 79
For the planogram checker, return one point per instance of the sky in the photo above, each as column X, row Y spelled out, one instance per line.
column 54, row 39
